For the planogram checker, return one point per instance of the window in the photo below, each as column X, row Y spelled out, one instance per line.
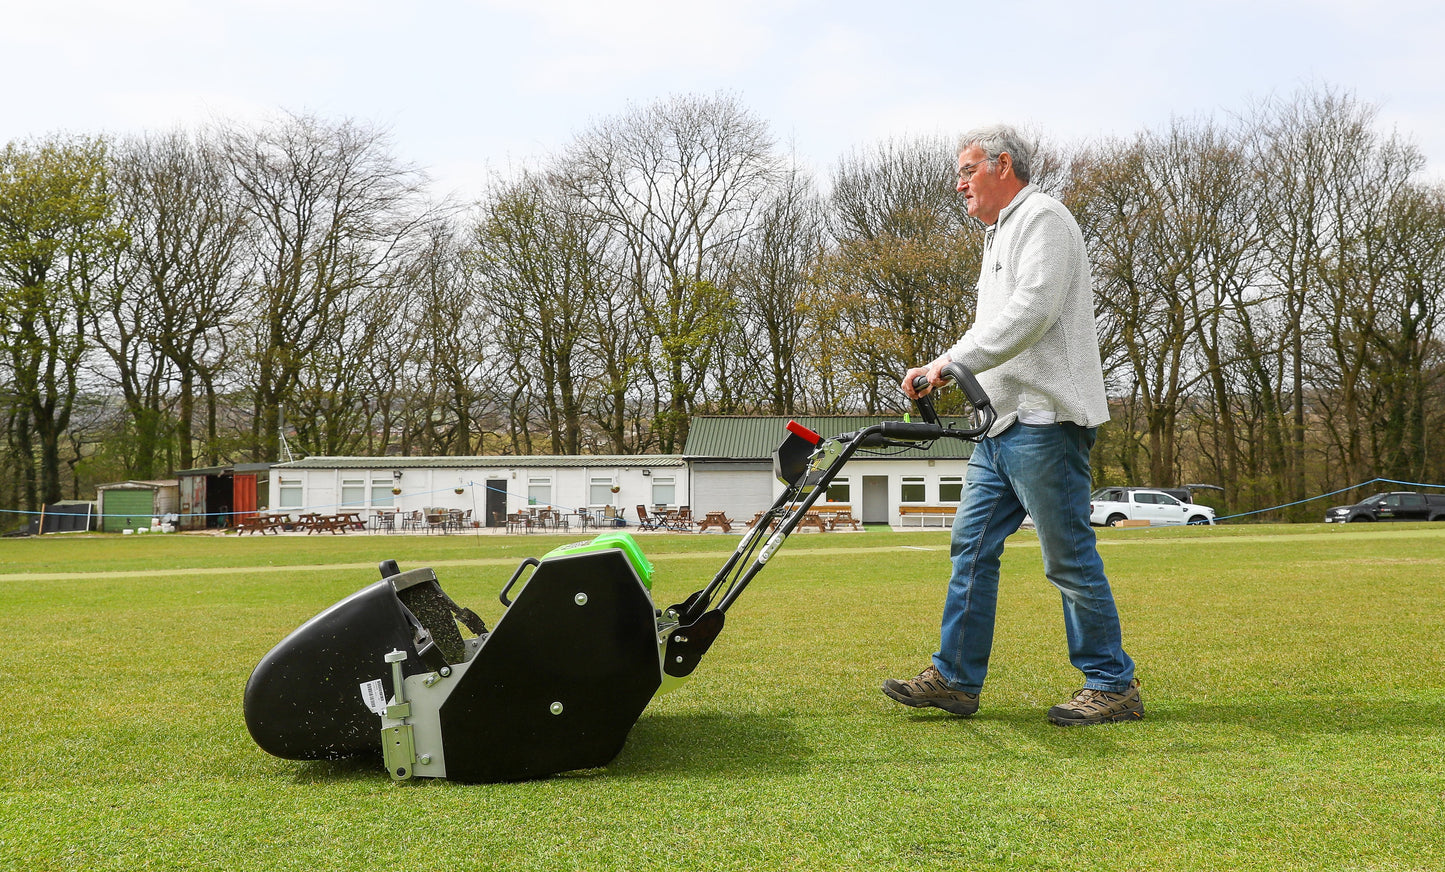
column 599, row 492
column 913, row 489
column 290, row 496
column 539, row 491
column 353, row 493
column 838, row 491
column 664, row 490
column 950, row 489
column 381, row 490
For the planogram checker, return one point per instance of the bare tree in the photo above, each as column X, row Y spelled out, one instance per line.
column 900, row 284
column 770, row 361
column 165, row 321
column 334, row 211
column 540, row 282
column 679, row 182
column 448, row 350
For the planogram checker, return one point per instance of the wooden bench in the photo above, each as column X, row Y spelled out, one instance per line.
column 809, row 519
column 262, row 524
column 340, row 523
column 716, row 519
column 924, row 514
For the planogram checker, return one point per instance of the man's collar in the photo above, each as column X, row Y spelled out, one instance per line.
column 1022, row 195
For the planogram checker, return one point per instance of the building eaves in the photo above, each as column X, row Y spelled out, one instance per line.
column 493, row 461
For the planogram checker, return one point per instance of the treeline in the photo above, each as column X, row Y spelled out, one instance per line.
column 1268, row 292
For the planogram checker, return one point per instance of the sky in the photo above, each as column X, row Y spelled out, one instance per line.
column 473, row 89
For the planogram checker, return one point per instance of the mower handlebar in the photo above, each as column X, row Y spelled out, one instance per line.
column 964, row 378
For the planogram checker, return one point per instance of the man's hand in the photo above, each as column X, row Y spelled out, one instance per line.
column 934, row 372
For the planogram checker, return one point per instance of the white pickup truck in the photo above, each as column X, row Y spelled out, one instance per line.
column 1110, row 505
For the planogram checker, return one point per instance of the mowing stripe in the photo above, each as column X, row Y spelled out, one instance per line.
column 1026, row 541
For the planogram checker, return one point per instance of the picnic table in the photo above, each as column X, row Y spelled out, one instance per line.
column 315, row 522
column 716, row 519
column 262, row 524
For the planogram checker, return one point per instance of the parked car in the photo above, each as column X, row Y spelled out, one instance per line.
column 1393, row 506
column 1108, row 506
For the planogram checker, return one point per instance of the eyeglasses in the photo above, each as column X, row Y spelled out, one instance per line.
column 966, row 171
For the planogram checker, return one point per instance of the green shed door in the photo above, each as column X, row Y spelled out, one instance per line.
column 128, row 509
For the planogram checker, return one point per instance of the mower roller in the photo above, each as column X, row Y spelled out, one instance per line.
column 559, row 681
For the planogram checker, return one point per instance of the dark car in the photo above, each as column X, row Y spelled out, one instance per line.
column 1393, row 506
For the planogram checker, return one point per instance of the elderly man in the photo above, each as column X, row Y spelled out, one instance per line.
column 1035, row 350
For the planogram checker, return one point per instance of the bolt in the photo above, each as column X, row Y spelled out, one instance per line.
column 556, row 708
column 581, row 599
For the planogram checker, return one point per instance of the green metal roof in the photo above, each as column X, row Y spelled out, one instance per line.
column 723, row 437
column 489, row 461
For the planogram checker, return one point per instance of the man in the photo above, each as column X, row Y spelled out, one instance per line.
column 1035, row 349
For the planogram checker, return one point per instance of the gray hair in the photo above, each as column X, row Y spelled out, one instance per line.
column 996, row 139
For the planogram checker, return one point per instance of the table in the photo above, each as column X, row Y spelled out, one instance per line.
column 716, row 519
column 262, row 524
column 315, row 522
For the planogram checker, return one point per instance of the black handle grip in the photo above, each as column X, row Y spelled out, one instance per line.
column 964, row 378
column 924, row 402
column 910, row 431
column 530, row 561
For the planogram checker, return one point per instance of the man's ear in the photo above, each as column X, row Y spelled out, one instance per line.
column 1005, row 164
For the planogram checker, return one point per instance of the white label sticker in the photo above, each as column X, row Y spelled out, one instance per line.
column 374, row 695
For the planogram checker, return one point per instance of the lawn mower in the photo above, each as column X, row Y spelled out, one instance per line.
column 559, row 681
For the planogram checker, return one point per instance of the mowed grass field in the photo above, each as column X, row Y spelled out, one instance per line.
column 1294, row 678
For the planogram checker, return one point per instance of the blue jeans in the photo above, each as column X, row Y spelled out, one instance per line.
column 1042, row 471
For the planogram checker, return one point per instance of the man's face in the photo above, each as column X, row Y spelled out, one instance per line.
column 983, row 186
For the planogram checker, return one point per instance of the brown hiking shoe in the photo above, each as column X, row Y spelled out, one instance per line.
column 929, row 689
column 1099, row 707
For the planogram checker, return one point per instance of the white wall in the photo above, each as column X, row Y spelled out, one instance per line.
column 932, row 473
column 569, row 487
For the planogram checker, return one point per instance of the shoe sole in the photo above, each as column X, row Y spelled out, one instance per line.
column 961, row 708
column 1117, row 717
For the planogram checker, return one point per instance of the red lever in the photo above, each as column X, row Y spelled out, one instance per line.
column 799, row 430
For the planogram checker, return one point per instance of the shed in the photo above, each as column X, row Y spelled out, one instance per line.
column 219, row 496
column 130, row 505
column 732, row 471
column 66, row 516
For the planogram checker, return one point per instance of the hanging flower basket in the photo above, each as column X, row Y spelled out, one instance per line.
column 615, row 488
column 396, row 490
column 460, row 490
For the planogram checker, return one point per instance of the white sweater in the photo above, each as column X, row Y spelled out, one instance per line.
column 1034, row 345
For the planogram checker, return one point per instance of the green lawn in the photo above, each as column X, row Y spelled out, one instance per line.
column 1294, row 680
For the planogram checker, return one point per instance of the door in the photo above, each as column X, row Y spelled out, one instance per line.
column 1163, row 509
column 127, row 509
column 193, row 502
column 243, row 497
column 739, row 490
column 496, row 502
column 875, row 500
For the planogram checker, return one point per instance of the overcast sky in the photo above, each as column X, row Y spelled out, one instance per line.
column 468, row 88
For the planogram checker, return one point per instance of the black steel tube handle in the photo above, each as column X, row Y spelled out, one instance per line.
column 530, row 561
column 910, row 431
column 924, row 401
column 964, row 378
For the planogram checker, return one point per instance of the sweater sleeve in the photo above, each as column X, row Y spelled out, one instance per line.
column 1039, row 263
